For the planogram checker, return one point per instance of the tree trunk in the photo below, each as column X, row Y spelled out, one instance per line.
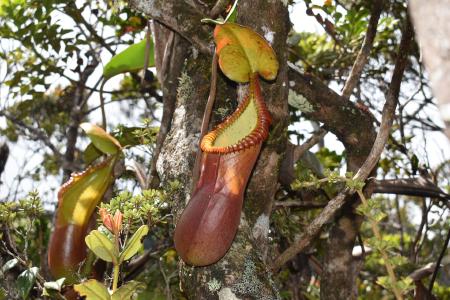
column 243, row 271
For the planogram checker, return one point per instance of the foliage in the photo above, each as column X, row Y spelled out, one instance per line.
column 131, row 59
column 52, row 56
column 110, row 249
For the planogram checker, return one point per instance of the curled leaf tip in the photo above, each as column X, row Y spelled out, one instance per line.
column 243, row 52
column 103, row 141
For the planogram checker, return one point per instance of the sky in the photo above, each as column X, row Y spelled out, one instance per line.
column 436, row 145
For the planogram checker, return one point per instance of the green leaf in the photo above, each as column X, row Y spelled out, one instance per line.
column 101, row 245
column 126, row 291
column 131, row 59
column 101, row 140
column 134, row 243
column 9, row 265
column 25, row 281
column 243, row 52
column 91, row 153
column 2, row 294
column 92, row 290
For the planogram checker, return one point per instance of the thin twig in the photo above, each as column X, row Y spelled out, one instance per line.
column 166, row 281
column 168, row 108
column 329, row 212
column 36, row 134
column 387, row 263
column 364, row 52
column 419, row 186
column 438, row 262
column 147, row 51
column 308, row 144
column 218, row 8
column 299, row 204
column 102, row 105
column 206, row 118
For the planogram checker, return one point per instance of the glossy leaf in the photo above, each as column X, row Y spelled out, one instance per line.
column 25, row 281
column 243, row 52
column 134, row 244
column 92, row 290
column 91, row 153
column 131, row 59
column 101, row 139
column 101, row 245
column 9, row 265
column 127, row 137
column 126, row 291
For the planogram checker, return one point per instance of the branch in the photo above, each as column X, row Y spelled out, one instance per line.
column 388, row 112
column 329, row 212
column 206, row 118
column 180, row 17
column 337, row 113
column 299, row 204
column 308, row 144
column 421, row 187
column 423, row 272
column 364, row 52
column 36, row 134
column 76, row 15
column 438, row 262
column 218, row 8
column 294, row 153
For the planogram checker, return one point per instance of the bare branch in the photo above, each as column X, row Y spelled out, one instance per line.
column 337, row 113
column 299, row 204
column 423, row 272
column 308, row 144
column 389, row 106
column 364, row 52
column 35, row 134
column 329, row 212
column 421, row 187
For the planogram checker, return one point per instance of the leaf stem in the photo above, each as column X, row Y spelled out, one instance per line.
column 384, row 255
column 115, row 277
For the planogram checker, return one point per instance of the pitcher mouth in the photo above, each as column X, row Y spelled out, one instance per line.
column 246, row 127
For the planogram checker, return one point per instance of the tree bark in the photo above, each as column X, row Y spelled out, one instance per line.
column 242, row 272
column 433, row 29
